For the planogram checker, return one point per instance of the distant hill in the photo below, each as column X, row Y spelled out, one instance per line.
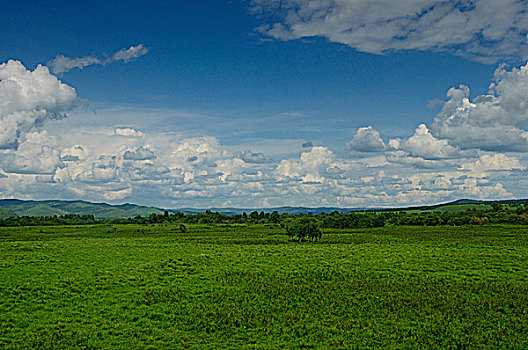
column 6, row 213
column 454, row 206
column 41, row 210
column 288, row 210
column 460, row 205
column 16, row 207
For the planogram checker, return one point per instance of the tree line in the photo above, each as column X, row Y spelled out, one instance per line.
column 336, row 220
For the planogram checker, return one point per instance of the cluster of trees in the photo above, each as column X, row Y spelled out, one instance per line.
column 497, row 215
column 68, row 219
column 208, row 217
column 309, row 223
column 302, row 228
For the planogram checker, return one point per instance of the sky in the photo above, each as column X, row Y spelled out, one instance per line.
column 264, row 103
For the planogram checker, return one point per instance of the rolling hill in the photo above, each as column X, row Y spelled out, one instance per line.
column 16, row 207
column 460, row 205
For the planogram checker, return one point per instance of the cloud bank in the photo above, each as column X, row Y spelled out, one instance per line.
column 481, row 30
column 62, row 64
column 475, row 147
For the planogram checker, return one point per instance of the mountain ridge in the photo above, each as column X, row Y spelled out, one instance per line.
column 19, row 207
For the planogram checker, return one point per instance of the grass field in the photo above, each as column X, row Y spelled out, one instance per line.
column 249, row 287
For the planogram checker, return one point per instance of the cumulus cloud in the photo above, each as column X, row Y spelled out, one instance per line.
column 404, row 158
column 140, row 153
column 423, row 144
column 366, row 139
column 496, row 162
column 195, row 159
column 28, row 99
column 482, row 30
column 104, row 169
column 37, row 154
column 314, row 166
column 128, row 132
column 74, row 153
column 62, row 64
column 254, row 157
column 491, row 122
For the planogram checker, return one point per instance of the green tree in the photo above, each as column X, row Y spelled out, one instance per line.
column 496, row 206
column 275, row 217
column 304, row 227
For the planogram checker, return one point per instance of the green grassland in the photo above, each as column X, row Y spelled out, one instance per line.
column 238, row 286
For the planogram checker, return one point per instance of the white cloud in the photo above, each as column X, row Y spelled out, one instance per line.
column 423, row 144
column 482, row 30
column 254, row 157
column 497, row 162
column 62, row 64
column 129, row 132
column 366, row 139
column 131, row 53
column 104, row 169
column 139, row 153
column 195, row 159
column 315, row 165
column 37, row 154
column 491, row 122
column 401, row 157
column 74, row 153
column 28, row 98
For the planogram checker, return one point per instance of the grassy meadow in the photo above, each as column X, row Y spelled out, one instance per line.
column 239, row 286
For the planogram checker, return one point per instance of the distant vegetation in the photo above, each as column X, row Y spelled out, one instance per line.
column 104, row 211
column 494, row 213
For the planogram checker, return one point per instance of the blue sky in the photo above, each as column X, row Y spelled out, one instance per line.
column 263, row 103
